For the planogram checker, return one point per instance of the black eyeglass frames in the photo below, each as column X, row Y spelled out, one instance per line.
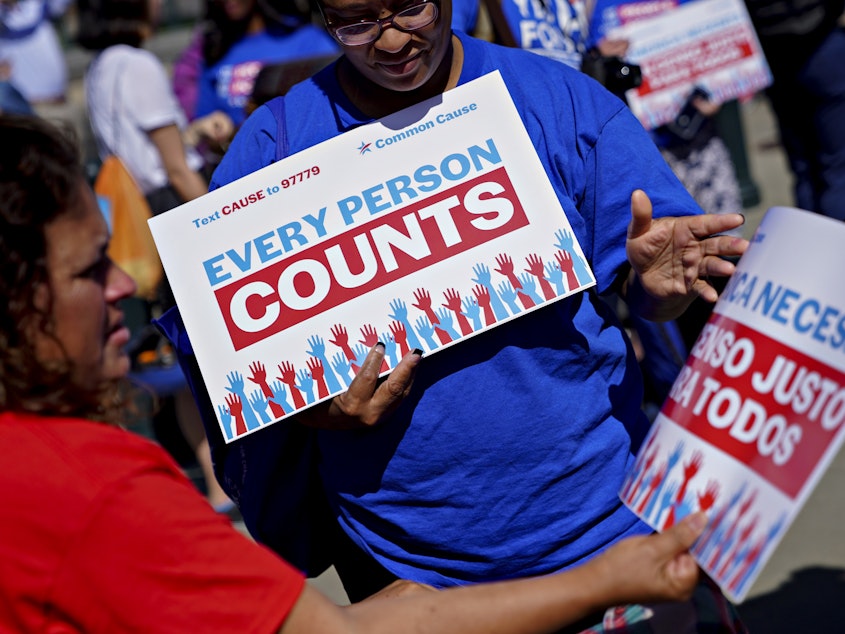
column 417, row 16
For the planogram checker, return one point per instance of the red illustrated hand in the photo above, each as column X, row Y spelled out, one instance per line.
column 536, row 268
column 564, row 260
column 318, row 373
column 288, row 377
column 505, row 264
column 341, row 340
column 369, row 334
column 236, row 409
column 400, row 336
column 423, row 299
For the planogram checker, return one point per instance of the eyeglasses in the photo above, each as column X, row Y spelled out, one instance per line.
column 367, row 31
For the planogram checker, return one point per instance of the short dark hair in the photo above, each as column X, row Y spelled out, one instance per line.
column 220, row 32
column 104, row 23
column 40, row 180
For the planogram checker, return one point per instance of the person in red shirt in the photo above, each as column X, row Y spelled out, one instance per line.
column 102, row 533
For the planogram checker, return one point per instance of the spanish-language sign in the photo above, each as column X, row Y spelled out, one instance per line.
column 706, row 43
column 418, row 230
column 757, row 412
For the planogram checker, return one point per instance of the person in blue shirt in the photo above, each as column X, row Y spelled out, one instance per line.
column 241, row 37
column 501, row 457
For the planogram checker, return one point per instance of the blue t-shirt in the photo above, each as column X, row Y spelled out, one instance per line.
column 507, row 457
column 464, row 15
column 227, row 84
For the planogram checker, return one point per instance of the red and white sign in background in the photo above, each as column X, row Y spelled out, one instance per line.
column 757, row 413
column 707, row 43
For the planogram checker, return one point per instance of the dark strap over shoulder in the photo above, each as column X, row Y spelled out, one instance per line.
column 277, row 107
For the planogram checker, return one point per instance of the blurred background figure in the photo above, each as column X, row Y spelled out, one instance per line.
column 216, row 72
column 135, row 116
column 804, row 43
column 32, row 60
column 11, row 100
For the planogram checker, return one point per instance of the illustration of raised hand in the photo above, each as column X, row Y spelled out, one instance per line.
column 509, row 296
column 259, row 374
column 453, row 303
column 391, row 350
column 683, row 508
column 506, row 268
column 317, row 349
column 707, row 499
column 567, row 265
column 650, row 500
column 473, row 311
column 369, row 336
column 641, row 467
column 237, row 386
column 341, row 340
column 280, row 396
column 667, row 499
column 733, row 555
column 555, row 276
column 566, row 242
column 288, row 377
column 361, row 352
column 445, row 330
column 305, row 384
column 528, row 294
column 226, row 421
column 317, row 372
column 259, row 404
column 235, row 406
column 691, row 467
column 482, row 274
column 423, row 303
column 342, row 367
column 482, row 277
column 536, row 268
column 675, row 456
column 426, row 331
column 259, row 377
column 482, row 296
column 399, row 312
column 400, row 335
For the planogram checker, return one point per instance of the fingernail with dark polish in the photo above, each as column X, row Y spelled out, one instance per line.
column 417, row 351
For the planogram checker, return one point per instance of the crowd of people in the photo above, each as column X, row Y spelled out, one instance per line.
column 433, row 492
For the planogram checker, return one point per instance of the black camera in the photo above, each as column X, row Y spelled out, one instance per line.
column 689, row 121
column 614, row 73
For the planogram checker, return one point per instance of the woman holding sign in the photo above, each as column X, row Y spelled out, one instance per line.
column 505, row 457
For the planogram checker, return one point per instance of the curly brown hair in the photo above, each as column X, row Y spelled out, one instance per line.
column 40, row 179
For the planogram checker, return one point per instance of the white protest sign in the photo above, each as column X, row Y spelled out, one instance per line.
column 418, row 230
column 707, row 43
column 757, row 413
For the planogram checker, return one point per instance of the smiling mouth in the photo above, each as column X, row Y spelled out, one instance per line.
column 401, row 68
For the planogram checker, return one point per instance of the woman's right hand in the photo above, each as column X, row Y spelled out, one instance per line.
column 651, row 568
column 216, row 128
column 369, row 399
